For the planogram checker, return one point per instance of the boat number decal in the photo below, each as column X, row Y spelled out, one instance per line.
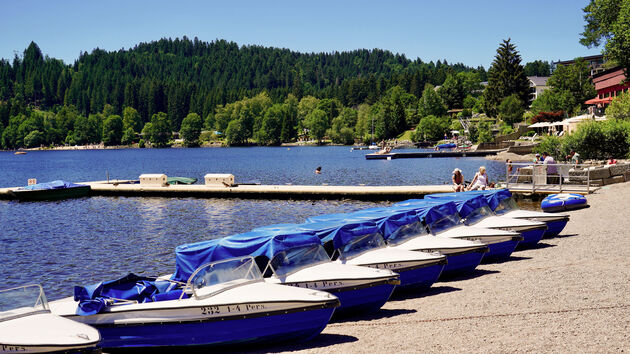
column 210, row 310
column 12, row 348
column 386, row 265
column 320, row 284
column 217, row 310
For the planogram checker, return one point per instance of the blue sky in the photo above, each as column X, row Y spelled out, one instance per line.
column 457, row 30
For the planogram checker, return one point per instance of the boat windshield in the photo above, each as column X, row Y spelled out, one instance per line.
column 406, row 232
column 478, row 215
column 294, row 259
column 362, row 244
column 445, row 223
column 22, row 301
column 213, row 278
column 506, row 205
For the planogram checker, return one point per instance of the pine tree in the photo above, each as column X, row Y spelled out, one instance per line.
column 506, row 76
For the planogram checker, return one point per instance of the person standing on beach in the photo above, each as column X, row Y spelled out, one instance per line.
column 552, row 170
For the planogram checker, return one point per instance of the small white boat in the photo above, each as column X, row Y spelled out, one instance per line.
column 223, row 303
column 27, row 326
column 443, row 220
column 296, row 258
column 360, row 242
column 403, row 229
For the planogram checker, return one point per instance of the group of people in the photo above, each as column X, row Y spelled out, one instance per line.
column 480, row 181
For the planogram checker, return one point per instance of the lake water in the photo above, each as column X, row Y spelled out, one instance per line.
column 82, row 241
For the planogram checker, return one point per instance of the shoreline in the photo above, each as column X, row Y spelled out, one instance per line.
column 568, row 294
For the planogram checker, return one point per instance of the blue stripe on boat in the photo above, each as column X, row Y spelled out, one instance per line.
column 555, row 227
column 460, row 264
column 265, row 329
column 531, row 238
column 363, row 300
column 499, row 251
column 420, row 278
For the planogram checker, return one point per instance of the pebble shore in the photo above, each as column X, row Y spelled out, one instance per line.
column 569, row 294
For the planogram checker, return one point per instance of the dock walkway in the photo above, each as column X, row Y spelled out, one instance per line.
column 260, row 191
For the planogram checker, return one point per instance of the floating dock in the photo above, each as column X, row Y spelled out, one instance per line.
column 430, row 154
column 124, row 188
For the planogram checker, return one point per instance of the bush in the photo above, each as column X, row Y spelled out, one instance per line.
column 485, row 132
column 141, row 143
column 554, row 146
column 592, row 140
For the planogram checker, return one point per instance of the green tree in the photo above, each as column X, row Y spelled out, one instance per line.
column 484, row 129
column 432, row 128
column 160, row 132
column 235, row 134
column 271, row 127
column 341, row 130
column 132, row 119
column 506, row 77
column 431, row 103
column 619, row 108
column 289, row 119
column 317, row 123
column 511, row 110
column 537, row 68
column 112, row 130
column 576, row 80
column 608, row 21
column 34, row 139
column 191, row 129
column 452, row 92
column 553, row 101
column 128, row 136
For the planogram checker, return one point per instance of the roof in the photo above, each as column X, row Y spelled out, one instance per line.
column 538, row 80
column 586, row 58
column 599, row 100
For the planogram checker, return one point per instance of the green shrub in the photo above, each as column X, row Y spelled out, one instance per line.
column 141, row 143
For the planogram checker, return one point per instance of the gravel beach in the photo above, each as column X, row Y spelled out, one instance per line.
column 570, row 294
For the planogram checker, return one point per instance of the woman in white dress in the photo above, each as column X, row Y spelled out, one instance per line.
column 480, row 181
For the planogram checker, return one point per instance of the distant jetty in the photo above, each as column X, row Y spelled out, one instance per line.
column 430, row 154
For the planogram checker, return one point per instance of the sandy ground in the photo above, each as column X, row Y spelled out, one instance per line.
column 570, row 294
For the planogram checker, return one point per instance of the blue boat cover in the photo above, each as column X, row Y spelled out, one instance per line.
column 51, row 185
column 464, row 206
column 340, row 231
column 493, row 197
column 428, row 211
column 447, row 146
column 388, row 220
column 189, row 257
column 94, row 298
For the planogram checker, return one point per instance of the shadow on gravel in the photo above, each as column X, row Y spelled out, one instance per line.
column 535, row 247
column 382, row 313
column 566, row 235
column 511, row 259
column 321, row 341
column 401, row 295
column 474, row 274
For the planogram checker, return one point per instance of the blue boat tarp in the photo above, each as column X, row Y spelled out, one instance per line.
column 58, row 184
column 464, row 206
column 428, row 211
column 340, row 231
column 493, row 196
column 388, row 220
column 447, row 146
column 189, row 257
column 94, row 298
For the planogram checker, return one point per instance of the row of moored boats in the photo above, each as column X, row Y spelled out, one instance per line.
column 283, row 282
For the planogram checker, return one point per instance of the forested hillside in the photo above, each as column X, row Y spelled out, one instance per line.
column 183, row 76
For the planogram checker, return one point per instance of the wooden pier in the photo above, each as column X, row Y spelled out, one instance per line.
column 430, row 154
column 393, row 193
